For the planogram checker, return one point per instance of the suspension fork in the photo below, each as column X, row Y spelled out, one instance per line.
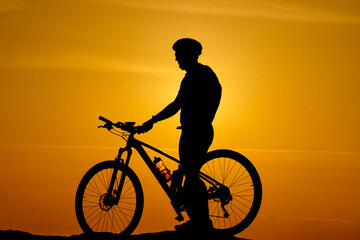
column 118, row 191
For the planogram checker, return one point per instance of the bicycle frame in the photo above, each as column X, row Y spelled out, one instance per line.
column 139, row 147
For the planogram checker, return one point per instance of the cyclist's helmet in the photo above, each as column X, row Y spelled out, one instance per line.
column 187, row 46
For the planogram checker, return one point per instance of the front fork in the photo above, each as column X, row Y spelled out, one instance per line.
column 117, row 192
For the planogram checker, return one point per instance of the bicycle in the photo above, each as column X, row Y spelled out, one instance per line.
column 110, row 197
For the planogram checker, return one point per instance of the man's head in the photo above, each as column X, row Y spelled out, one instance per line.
column 187, row 52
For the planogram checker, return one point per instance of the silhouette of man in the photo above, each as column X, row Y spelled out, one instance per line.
column 198, row 99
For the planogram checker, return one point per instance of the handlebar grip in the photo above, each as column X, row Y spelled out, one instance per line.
column 106, row 120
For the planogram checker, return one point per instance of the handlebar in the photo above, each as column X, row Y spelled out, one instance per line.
column 107, row 121
column 127, row 126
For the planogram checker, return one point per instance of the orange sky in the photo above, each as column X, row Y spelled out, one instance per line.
column 290, row 73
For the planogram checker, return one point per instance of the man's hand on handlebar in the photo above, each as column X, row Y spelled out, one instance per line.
column 147, row 126
column 129, row 126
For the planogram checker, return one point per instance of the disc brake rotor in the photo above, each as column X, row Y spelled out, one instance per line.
column 106, row 201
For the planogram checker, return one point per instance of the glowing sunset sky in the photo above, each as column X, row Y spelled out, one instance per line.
column 290, row 73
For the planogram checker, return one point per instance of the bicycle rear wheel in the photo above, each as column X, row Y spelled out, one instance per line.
column 235, row 201
column 96, row 209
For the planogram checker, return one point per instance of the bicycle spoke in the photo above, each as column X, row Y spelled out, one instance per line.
column 245, row 199
column 89, row 201
column 102, row 227
column 246, row 190
column 129, row 203
column 120, row 218
column 125, row 214
column 204, row 170
column 242, row 203
column 108, row 178
column 124, row 193
column 234, row 212
column 98, row 222
column 127, row 195
column 96, row 210
column 103, row 180
column 237, row 177
column 117, row 223
column 229, row 171
column 100, row 180
column 211, row 169
column 90, row 208
column 242, row 184
column 95, row 216
column 95, row 188
column 221, row 171
column 96, row 185
column 238, row 209
column 112, row 222
column 91, row 195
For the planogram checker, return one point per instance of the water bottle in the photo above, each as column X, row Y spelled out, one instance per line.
column 160, row 166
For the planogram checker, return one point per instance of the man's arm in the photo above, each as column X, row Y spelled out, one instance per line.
column 169, row 111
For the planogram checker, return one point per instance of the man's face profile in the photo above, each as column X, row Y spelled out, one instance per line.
column 185, row 60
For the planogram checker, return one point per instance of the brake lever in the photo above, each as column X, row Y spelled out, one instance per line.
column 107, row 126
column 139, row 130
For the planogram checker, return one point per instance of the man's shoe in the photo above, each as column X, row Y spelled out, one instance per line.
column 185, row 227
column 198, row 228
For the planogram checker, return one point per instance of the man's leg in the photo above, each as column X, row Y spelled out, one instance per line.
column 192, row 149
column 196, row 201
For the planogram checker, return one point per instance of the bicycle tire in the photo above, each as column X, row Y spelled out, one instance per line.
column 120, row 219
column 243, row 181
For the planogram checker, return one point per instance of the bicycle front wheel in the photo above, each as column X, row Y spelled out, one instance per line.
column 96, row 207
column 235, row 195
